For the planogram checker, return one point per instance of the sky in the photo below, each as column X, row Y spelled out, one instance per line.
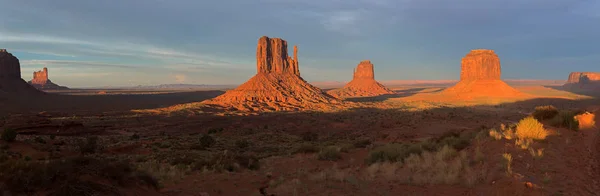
column 150, row 42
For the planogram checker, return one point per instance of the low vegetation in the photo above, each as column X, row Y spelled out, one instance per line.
column 73, row 176
column 9, row 135
column 530, row 128
column 545, row 112
column 330, row 153
column 565, row 119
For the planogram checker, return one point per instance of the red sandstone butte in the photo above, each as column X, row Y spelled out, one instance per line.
column 480, row 77
column 11, row 82
column 584, row 80
column 40, row 81
column 277, row 84
column 363, row 84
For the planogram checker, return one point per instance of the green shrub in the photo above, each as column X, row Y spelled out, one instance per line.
column 310, row 136
column 330, row 153
column 565, row 119
column 241, row 144
column 389, row 152
column 530, row 128
column 207, row 141
column 39, row 140
column 135, row 136
column 89, row 146
column 362, row 143
column 545, row 112
column 9, row 135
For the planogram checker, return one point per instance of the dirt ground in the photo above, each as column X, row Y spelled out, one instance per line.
column 364, row 149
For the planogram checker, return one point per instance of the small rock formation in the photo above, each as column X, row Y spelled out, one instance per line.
column 40, row 81
column 11, row 82
column 363, row 84
column 480, row 77
column 583, row 80
column 277, row 85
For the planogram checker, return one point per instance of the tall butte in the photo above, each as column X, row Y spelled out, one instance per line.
column 480, row 77
column 277, row 85
column 11, row 83
column 40, row 81
column 583, row 80
column 363, row 84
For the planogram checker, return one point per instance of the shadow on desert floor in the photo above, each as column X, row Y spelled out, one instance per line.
column 585, row 92
column 399, row 94
column 106, row 103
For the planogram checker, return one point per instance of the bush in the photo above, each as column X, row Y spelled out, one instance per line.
column 135, row 136
column 390, row 152
column 331, row 153
column 9, row 135
column 362, row 143
column 530, row 128
column 207, row 141
column 89, row 146
column 565, row 119
column 310, row 136
column 307, row 148
column 241, row 144
column 39, row 140
column 545, row 112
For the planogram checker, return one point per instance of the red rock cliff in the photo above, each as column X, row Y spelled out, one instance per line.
column 40, row 77
column 583, row 77
column 272, row 57
column 364, row 70
column 480, row 64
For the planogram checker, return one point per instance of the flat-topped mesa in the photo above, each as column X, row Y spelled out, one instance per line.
column 480, row 64
column 272, row 57
column 9, row 65
column 583, row 77
column 364, row 70
column 40, row 77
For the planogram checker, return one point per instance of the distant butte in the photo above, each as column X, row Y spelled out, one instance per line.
column 277, row 85
column 40, row 81
column 11, row 83
column 584, row 80
column 480, row 77
column 363, row 83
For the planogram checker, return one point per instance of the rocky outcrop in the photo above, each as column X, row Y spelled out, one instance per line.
column 272, row 56
column 363, row 84
column 277, row 86
column 480, row 64
column 11, row 83
column 480, row 77
column 583, row 77
column 40, row 81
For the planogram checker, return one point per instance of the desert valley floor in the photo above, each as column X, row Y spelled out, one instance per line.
column 414, row 142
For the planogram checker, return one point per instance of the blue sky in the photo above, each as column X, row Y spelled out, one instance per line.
column 146, row 42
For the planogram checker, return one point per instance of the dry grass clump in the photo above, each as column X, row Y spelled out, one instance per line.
column 506, row 131
column 530, row 128
column 444, row 166
column 545, row 112
column 330, row 153
column 586, row 120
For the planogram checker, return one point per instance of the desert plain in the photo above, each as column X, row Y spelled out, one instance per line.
column 278, row 134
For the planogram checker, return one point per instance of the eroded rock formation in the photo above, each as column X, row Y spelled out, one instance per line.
column 363, row 83
column 480, row 64
column 277, row 84
column 272, row 56
column 480, row 77
column 40, row 81
column 583, row 77
column 11, row 82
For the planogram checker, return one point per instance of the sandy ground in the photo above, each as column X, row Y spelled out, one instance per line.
column 288, row 145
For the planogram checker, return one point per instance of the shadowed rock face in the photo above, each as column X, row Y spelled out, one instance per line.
column 583, row 77
column 9, row 65
column 363, row 84
column 11, row 82
column 272, row 56
column 40, row 81
column 480, row 64
column 277, row 85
